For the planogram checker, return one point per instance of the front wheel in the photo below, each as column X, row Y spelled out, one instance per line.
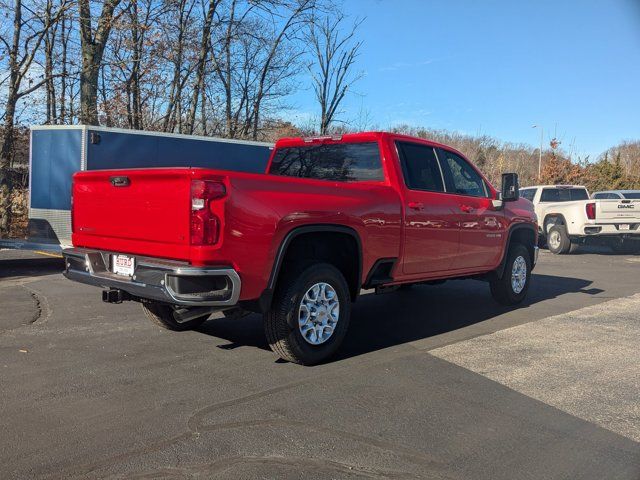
column 309, row 315
column 514, row 284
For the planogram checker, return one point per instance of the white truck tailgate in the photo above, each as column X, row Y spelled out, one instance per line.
column 618, row 210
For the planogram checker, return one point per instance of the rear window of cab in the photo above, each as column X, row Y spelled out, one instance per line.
column 563, row 194
column 343, row 162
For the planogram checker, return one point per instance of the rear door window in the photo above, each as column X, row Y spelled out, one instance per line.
column 563, row 194
column 342, row 162
column 460, row 177
column 528, row 193
column 420, row 167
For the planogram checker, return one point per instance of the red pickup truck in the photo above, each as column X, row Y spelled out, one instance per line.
column 331, row 216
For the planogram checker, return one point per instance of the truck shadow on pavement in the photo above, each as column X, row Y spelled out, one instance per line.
column 30, row 267
column 382, row 321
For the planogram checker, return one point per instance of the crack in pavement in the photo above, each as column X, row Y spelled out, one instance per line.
column 43, row 308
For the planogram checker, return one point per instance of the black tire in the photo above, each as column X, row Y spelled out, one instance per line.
column 162, row 315
column 502, row 288
column 558, row 240
column 281, row 322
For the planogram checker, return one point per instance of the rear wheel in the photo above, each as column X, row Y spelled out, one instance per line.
column 514, row 284
column 309, row 315
column 164, row 315
column 558, row 240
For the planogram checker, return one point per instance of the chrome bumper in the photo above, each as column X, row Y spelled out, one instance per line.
column 156, row 279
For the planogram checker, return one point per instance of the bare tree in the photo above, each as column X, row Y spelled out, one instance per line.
column 182, row 12
column 331, row 71
column 295, row 19
column 203, row 53
column 93, row 45
column 28, row 34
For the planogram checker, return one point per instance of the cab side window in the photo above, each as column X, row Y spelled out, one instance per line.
column 460, row 177
column 420, row 167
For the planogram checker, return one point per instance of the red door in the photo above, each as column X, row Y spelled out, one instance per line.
column 481, row 225
column 430, row 229
column 481, row 233
column 430, row 232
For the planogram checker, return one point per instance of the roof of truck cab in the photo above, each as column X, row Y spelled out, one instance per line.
column 554, row 186
column 617, row 191
column 370, row 136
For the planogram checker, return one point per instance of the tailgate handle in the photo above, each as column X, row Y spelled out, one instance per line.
column 120, row 181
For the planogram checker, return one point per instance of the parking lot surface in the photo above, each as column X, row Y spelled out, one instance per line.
column 436, row 382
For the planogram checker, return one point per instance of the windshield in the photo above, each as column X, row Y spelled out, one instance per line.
column 563, row 194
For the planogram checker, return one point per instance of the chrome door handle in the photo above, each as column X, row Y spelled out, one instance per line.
column 416, row 205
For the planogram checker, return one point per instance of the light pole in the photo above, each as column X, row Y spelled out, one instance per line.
column 540, row 152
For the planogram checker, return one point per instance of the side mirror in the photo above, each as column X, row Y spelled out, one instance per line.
column 510, row 188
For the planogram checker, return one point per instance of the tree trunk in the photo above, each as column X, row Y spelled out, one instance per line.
column 92, row 47
column 134, row 87
column 202, row 62
column 6, row 150
column 6, row 154
column 89, row 89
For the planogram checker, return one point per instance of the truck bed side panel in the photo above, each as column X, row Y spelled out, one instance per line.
column 263, row 209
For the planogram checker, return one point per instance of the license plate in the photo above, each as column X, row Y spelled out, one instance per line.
column 123, row 265
column 623, row 226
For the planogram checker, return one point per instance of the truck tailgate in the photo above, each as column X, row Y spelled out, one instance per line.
column 618, row 210
column 133, row 208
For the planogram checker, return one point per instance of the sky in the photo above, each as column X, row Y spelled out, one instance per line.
column 497, row 67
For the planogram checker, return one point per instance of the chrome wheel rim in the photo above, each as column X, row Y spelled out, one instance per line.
column 318, row 313
column 554, row 239
column 519, row 274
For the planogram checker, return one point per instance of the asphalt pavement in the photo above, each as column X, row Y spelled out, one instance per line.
column 435, row 382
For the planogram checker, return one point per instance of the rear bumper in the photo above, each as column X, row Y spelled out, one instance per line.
column 611, row 229
column 156, row 279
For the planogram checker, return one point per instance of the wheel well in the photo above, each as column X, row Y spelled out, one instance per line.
column 526, row 237
column 553, row 219
column 336, row 248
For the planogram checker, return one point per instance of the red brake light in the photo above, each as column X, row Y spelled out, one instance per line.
column 205, row 224
column 591, row 211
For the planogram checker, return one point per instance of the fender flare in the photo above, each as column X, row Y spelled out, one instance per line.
column 518, row 226
column 267, row 295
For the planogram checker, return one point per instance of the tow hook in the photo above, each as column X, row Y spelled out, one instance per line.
column 115, row 295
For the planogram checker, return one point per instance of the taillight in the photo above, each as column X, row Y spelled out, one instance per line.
column 591, row 211
column 205, row 224
column 73, row 187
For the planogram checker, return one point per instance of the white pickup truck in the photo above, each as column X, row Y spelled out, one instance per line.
column 567, row 217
